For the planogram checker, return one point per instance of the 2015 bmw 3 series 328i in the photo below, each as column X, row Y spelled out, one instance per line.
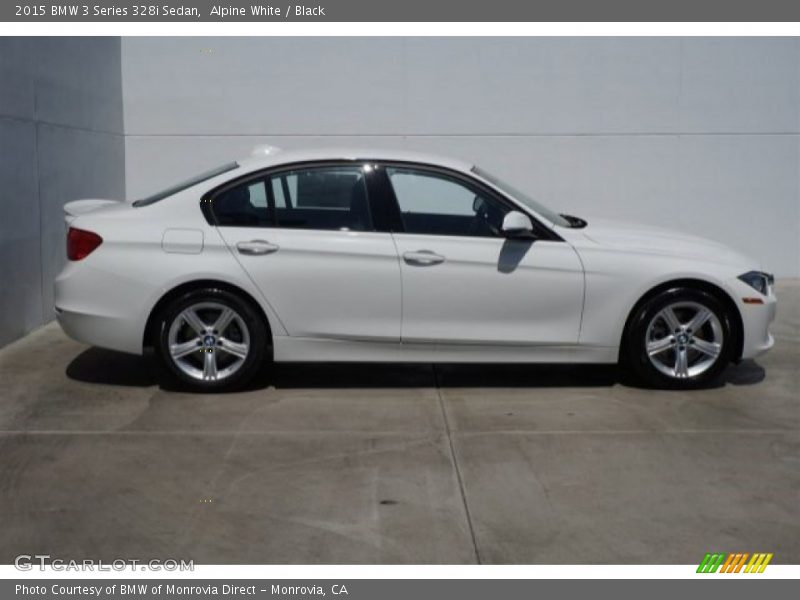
column 359, row 255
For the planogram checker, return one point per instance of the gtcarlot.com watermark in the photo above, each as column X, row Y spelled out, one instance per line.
column 45, row 562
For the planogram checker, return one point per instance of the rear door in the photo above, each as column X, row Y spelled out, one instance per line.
column 306, row 237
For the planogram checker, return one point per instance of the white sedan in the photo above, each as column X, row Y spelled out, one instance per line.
column 392, row 256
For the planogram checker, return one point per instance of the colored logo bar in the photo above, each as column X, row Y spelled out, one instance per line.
column 736, row 562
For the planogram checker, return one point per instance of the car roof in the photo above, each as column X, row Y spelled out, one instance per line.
column 264, row 157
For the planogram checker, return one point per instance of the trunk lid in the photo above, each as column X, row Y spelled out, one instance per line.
column 81, row 207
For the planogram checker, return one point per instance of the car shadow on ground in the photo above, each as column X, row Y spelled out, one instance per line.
column 107, row 367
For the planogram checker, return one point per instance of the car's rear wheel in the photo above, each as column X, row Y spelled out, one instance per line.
column 681, row 338
column 211, row 340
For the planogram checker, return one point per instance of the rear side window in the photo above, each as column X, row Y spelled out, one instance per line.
column 243, row 206
column 330, row 198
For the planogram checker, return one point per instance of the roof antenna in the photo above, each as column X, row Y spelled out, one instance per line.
column 264, row 150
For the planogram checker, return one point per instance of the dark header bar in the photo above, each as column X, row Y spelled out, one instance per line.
column 407, row 10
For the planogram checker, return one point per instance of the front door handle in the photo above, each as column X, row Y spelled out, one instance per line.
column 256, row 247
column 423, row 258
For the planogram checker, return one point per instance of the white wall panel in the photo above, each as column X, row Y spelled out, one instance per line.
column 695, row 133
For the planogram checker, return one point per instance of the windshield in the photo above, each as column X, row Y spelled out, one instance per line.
column 510, row 190
column 186, row 184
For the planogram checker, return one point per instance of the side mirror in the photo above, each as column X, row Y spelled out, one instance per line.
column 517, row 224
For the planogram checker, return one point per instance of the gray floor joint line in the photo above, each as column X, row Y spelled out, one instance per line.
column 456, row 467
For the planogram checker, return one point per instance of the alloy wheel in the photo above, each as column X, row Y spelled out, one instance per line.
column 684, row 340
column 208, row 341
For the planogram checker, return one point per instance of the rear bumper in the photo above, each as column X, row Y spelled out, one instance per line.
column 98, row 330
column 100, row 309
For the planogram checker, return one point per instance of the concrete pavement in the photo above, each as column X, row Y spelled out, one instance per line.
column 397, row 464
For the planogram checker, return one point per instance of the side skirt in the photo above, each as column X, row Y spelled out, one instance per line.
column 292, row 349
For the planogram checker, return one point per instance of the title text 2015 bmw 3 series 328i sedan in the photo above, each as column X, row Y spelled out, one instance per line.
column 393, row 256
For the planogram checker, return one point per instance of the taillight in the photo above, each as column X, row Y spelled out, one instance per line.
column 81, row 244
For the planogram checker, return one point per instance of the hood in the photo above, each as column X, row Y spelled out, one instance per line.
column 651, row 239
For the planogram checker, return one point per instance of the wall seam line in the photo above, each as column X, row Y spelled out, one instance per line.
column 477, row 135
column 35, row 121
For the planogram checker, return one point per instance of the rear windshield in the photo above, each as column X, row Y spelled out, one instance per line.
column 186, row 184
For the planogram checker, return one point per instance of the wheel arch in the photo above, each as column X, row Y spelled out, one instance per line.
column 698, row 284
column 189, row 286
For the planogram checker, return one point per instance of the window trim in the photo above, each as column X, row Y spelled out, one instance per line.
column 263, row 175
column 541, row 231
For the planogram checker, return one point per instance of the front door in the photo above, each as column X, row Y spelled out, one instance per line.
column 463, row 282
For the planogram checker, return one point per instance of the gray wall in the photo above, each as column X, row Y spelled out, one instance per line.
column 697, row 134
column 60, row 139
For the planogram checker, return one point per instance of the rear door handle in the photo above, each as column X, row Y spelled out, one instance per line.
column 256, row 247
column 423, row 258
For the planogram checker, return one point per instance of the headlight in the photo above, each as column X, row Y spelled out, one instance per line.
column 760, row 282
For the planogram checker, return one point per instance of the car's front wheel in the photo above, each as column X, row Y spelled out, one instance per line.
column 211, row 340
column 681, row 338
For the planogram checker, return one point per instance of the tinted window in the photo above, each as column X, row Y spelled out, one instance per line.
column 435, row 204
column 314, row 198
column 243, row 206
column 322, row 198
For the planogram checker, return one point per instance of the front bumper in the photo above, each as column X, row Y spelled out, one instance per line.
column 756, row 319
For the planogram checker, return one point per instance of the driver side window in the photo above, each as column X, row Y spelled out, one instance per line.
column 436, row 204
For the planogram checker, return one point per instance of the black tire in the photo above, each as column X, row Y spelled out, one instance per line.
column 249, row 327
column 635, row 355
